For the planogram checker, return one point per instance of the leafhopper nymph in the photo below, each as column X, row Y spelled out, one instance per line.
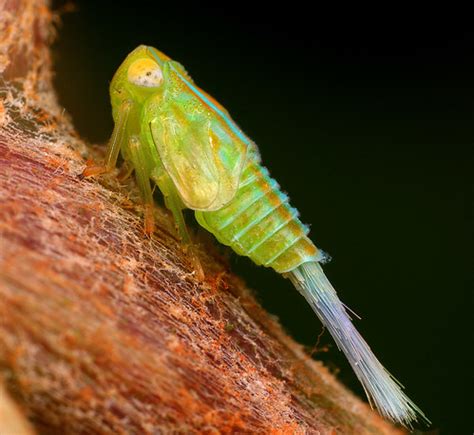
column 173, row 134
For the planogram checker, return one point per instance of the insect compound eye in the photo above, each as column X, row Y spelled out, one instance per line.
column 145, row 72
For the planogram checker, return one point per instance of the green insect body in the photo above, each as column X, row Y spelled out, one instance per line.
column 172, row 133
column 260, row 224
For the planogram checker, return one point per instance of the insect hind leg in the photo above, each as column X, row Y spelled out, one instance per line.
column 175, row 205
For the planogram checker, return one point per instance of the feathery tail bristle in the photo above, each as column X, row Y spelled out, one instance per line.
column 382, row 389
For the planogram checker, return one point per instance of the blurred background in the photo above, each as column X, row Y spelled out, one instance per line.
column 367, row 120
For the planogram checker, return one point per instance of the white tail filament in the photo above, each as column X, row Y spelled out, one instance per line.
column 382, row 389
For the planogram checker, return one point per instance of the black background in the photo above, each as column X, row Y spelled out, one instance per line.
column 366, row 119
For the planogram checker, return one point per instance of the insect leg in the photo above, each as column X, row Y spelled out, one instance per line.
column 115, row 143
column 175, row 205
column 125, row 171
column 142, row 176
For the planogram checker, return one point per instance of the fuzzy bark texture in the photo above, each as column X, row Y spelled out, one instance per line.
column 105, row 330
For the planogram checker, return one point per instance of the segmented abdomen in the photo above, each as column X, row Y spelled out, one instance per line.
column 260, row 224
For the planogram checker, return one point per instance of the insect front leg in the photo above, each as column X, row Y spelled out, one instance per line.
column 115, row 142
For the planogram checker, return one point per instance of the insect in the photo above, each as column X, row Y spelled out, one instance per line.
column 173, row 134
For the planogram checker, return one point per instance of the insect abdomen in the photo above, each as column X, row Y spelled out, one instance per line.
column 260, row 224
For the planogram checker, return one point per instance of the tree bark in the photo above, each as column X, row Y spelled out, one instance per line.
column 106, row 330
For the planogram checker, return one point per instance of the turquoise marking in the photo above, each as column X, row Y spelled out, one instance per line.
column 231, row 124
column 153, row 53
